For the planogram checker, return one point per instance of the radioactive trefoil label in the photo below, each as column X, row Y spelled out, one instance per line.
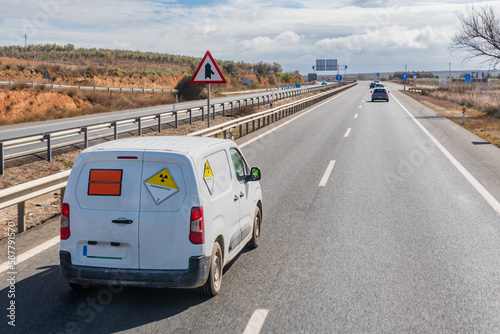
column 208, row 176
column 161, row 186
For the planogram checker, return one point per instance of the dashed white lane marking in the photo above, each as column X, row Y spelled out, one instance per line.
column 293, row 119
column 356, row 116
column 256, row 321
column 360, row 107
column 326, row 176
column 32, row 252
column 347, row 133
column 472, row 180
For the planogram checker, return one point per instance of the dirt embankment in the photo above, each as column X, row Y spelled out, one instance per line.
column 26, row 105
column 117, row 79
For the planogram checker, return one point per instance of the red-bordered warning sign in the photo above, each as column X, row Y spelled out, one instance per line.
column 208, row 72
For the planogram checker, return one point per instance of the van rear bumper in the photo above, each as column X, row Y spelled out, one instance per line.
column 195, row 276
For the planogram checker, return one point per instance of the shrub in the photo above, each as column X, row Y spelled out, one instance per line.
column 188, row 91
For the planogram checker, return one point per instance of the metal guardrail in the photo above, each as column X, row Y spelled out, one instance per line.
column 23, row 192
column 94, row 88
column 119, row 89
column 29, row 190
column 50, row 136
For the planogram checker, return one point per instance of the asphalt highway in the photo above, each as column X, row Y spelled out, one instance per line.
column 378, row 218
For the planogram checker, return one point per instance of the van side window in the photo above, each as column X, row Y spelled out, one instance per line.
column 240, row 166
column 216, row 171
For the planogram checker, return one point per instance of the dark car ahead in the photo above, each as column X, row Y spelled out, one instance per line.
column 380, row 94
column 372, row 85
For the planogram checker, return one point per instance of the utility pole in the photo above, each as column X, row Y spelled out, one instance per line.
column 450, row 69
column 26, row 47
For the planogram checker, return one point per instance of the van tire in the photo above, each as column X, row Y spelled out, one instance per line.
column 214, row 280
column 257, row 223
column 76, row 286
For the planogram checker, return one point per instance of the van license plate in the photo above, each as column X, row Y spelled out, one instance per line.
column 105, row 252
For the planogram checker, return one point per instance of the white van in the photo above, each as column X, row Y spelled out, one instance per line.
column 158, row 212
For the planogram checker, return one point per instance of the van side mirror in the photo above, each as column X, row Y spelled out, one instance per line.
column 254, row 175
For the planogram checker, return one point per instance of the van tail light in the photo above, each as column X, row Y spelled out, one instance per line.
column 197, row 231
column 65, row 221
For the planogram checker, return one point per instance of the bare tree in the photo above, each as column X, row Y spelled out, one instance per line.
column 479, row 35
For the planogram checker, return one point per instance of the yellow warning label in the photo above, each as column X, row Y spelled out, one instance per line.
column 161, row 186
column 208, row 170
column 163, row 179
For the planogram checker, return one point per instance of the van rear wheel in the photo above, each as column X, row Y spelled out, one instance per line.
column 214, row 281
column 255, row 241
column 76, row 286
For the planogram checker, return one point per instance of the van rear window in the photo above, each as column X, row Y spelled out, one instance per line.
column 105, row 182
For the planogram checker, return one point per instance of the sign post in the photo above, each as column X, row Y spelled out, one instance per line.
column 463, row 114
column 208, row 72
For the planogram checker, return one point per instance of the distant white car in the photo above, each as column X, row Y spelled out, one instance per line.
column 324, row 83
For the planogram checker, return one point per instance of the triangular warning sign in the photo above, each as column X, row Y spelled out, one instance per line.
column 209, row 177
column 161, row 186
column 208, row 170
column 208, row 72
column 46, row 75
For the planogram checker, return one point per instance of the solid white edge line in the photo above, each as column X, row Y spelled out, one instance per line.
column 347, row 133
column 293, row 119
column 472, row 180
column 326, row 176
column 32, row 252
column 256, row 321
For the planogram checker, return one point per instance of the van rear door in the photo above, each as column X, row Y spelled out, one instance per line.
column 169, row 191
column 105, row 216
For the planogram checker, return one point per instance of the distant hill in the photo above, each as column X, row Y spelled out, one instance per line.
column 68, row 64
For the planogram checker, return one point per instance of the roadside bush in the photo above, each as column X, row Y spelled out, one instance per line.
column 20, row 86
column 188, row 91
column 72, row 92
column 492, row 109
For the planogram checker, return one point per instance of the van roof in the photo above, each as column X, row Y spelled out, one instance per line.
column 183, row 144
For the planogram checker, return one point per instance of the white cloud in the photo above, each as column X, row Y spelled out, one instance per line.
column 292, row 32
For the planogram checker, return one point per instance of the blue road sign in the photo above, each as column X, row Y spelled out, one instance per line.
column 467, row 77
column 378, row 74
column 404, row 76
column 415, row 73
column 338, row 77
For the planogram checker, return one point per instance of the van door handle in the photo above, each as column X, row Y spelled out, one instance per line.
column 236, row 198
column 122, row 221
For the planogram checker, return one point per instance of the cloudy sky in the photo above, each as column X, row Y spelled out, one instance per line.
column 367, row 36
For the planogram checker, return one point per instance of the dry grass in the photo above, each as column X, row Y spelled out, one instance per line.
column 479, row 122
